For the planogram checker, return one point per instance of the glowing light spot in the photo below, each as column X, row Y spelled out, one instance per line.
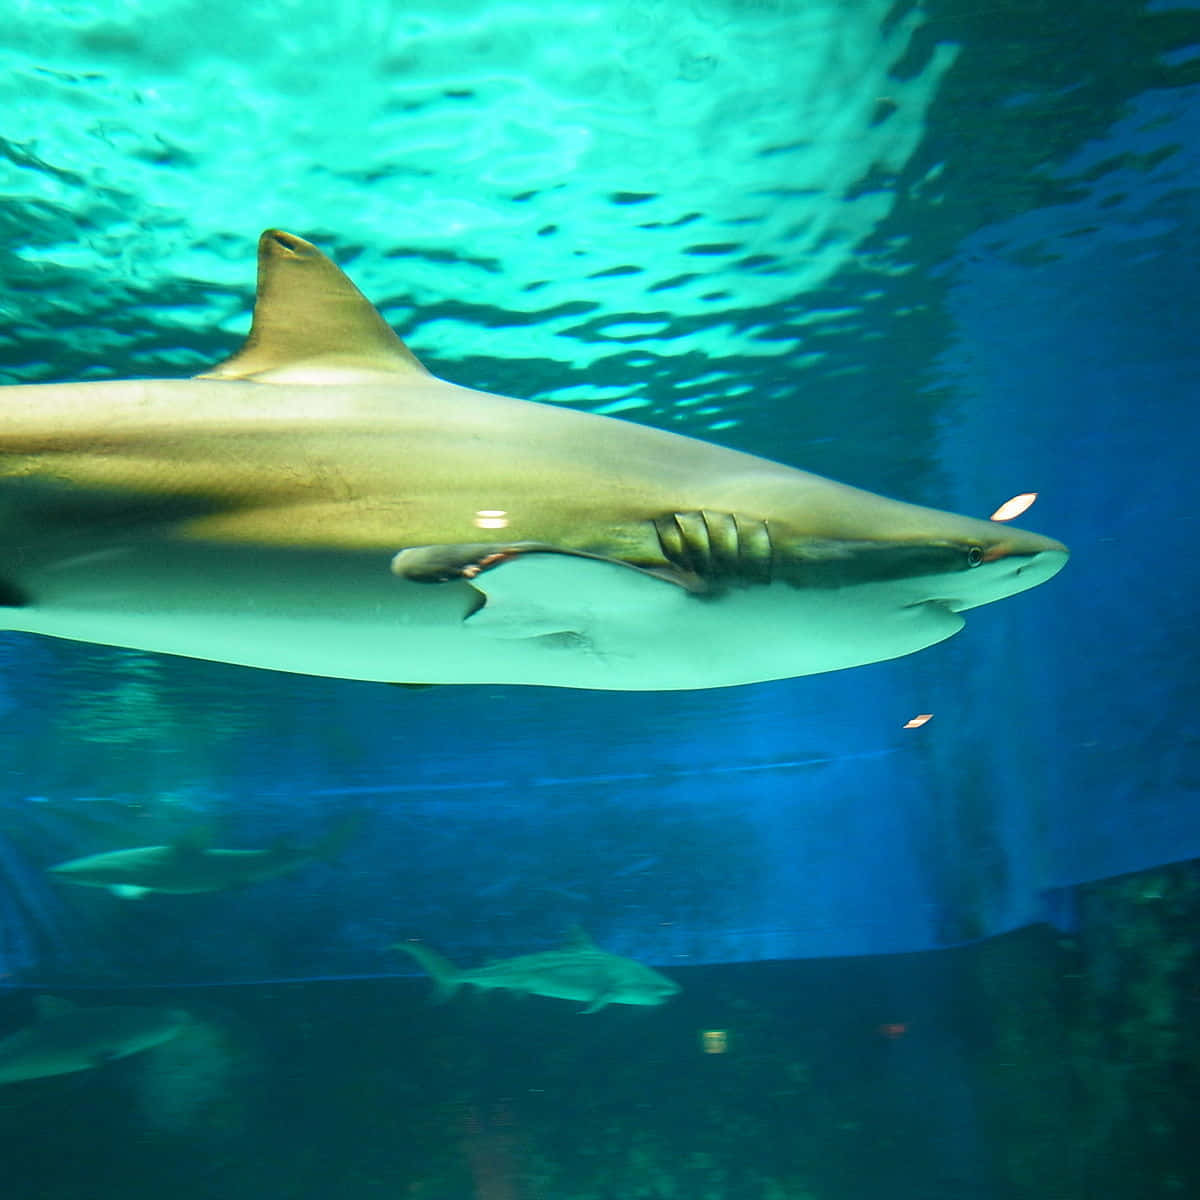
column 1014, row 507
column 714, row 1041
column 919, row 720
column 491, row 518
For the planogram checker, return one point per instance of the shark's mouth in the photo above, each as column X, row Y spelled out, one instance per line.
column 1003, row 577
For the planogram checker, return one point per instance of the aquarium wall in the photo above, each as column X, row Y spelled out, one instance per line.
column 914, row 254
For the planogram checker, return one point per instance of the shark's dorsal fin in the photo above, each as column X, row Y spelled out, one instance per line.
column 51, row 1006
column 311, row 324
column 577, row 939
column 194, row 840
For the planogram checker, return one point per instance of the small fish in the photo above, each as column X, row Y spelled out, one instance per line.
column 187, row 867
column 578, row 971
column 66, row 1038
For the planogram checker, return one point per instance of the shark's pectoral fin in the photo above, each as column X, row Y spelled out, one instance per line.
column 460, row 560
column 703, row 549
column 129, row 891
column 598, row 1002
column 469, row 560
column 528, row 590
column 577, row 598
column 536, row 590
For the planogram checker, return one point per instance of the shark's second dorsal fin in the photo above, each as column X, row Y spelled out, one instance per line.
column 51, row 1006
column 311, row 324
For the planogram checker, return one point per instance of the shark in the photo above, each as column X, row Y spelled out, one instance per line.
column 579, row 970
column 188, row 867
column 319, row 503
column 66, row 1037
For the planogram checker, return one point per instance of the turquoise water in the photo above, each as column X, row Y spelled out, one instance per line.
column 942, row 251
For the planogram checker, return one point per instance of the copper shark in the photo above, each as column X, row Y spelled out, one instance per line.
column 579, row 970
column 189, row 867
column 66, row 1038
column 319, row 503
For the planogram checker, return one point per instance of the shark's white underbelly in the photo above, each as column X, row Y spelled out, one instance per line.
column 549, row 619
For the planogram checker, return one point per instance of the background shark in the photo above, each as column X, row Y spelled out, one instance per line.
column 579, row 971
column 188, row 867
column 66, row 1038
column 320, row 503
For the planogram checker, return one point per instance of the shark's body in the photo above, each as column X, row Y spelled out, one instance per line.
column 186, row 868
column 66, row 1038
column 321, row 504
column 579, row 971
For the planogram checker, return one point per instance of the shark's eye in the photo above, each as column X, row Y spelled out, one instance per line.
column 974, row 556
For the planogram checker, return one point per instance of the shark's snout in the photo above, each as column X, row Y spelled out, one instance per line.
column 1037, row 568
column 1006, row 575
column 1044, row 565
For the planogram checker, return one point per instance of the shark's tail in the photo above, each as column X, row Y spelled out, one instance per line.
column 447, row 978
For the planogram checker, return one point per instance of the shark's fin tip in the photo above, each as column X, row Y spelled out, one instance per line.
column 276, row 240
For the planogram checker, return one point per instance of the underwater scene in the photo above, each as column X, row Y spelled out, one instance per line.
column 597, row 600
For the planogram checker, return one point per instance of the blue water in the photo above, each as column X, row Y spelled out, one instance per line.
column 941, row 251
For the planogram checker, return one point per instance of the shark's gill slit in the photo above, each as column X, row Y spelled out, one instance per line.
column 696, row 547
column 722, row 534
column 716, row 544
column 755, row 551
